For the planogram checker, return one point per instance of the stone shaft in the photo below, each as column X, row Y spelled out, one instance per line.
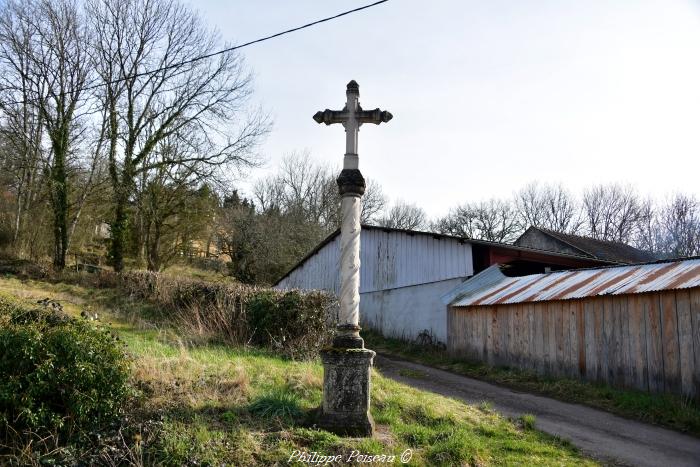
column 352, row 125
column 350, row 261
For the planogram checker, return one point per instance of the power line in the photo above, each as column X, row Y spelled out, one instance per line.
column 230, row 49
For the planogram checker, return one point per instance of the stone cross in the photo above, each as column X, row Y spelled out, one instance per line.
column 347, row 364
column 351, row 185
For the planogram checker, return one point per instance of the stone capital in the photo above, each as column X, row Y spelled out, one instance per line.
column 351, row 183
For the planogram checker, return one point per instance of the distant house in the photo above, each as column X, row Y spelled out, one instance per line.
column 406, row 276
column 615, row 252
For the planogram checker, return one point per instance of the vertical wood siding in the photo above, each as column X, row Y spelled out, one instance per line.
column 648, row 341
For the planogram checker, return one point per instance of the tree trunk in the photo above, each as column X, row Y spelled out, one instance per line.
column 120, row 226
column 60, row 196
column 18, row 214
column 119, row 232
column 154, row 260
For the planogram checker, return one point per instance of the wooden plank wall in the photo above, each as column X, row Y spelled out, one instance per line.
column 648, row 341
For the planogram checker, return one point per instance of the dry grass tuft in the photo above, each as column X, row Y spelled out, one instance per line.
column 304, row 382
column 183, row 380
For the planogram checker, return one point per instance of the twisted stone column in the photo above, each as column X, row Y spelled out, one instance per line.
column 351, row 185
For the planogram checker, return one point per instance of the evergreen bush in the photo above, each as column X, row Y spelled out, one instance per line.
column 58, row 374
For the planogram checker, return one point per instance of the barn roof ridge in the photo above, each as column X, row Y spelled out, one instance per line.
column 609, row 250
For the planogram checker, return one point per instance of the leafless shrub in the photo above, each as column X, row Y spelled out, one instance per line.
column 293, row 323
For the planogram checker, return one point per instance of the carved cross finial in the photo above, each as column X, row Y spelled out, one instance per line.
column 352, row 116
column 353, row 87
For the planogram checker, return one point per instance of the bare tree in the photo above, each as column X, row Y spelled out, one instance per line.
column 304, row 188
column 209, row 94
column 647, row 234
column 403, row 215
column 292, row 210
column 547, row 206
column 300, row 187
column 45, row 51
column 7, row 196
column 492, row 220
column 263, row 243
column 373, row 202
column 679, row 222
column 174, row 201
column 22, row 128
column 530, row 205
column 611, row 212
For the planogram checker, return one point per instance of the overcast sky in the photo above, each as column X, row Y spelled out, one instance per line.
column 486, row 95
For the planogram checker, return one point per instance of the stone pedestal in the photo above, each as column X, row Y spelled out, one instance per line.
column 346, row 392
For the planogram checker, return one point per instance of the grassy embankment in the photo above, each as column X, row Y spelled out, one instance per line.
column 675, row 412
column 203, row 404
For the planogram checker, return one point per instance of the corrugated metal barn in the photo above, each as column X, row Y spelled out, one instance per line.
column 629, row 326
column 404, row 274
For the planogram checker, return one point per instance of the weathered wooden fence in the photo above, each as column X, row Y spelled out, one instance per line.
column 648, row 341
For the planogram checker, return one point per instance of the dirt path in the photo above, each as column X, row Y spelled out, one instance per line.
column 604, row 436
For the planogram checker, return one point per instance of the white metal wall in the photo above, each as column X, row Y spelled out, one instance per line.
column 320, row 272
column 408, row 311
column 402, row 279
column 389, row 260
column 396, row 259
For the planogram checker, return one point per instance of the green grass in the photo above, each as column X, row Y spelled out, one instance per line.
column 674, row 412
column 528, row 421
column 204, row 404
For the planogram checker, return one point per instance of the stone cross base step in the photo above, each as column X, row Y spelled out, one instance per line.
column 346, row 392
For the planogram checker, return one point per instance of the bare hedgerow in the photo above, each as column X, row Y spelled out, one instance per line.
column 292, row 323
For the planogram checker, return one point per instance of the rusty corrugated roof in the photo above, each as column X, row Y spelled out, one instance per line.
column 564, row 285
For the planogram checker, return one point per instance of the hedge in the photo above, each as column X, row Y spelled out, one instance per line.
column 293, row 323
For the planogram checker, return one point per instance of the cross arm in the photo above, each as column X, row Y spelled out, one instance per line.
column 375, row 116
column 331, row 116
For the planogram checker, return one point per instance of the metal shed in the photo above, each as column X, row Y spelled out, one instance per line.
column 404, row 274
column 630, row 326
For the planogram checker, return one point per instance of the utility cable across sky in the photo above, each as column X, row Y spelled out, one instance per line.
column 228, row 49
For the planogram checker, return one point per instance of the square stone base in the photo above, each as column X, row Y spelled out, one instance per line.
column 346, row 392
